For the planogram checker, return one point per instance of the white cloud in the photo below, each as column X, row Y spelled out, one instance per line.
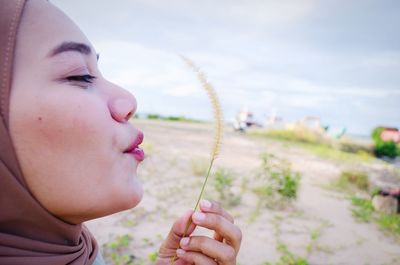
column 261, row 54
column 183, row 91
column 260, row 13
column 382, row 59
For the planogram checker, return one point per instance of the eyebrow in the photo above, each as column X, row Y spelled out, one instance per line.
column 72, row 46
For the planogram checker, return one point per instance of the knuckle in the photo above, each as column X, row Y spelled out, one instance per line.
column 201, row 242
column 217, row 222
column 216, row 206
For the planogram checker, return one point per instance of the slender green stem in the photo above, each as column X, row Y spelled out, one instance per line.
column 204, row 185
column 189, row 222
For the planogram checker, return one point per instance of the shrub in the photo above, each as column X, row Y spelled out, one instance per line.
column 287, row 257
column 278, row 182
column 153, row 117
column 117, row 251
column 223, row 183
column 363, row 209
column 357, row 178
column 153, row 256
column 297, row 134
column 382, row 148
column 354, row 147
column 388, row 149
column 390, row 223
column 175, row 118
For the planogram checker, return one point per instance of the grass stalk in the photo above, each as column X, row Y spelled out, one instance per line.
column 212, row 95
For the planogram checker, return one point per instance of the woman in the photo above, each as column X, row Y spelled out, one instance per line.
column 69, row 154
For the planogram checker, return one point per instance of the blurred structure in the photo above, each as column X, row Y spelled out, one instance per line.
column 274, row 121
column 243, row 120
column 310, row 123
column 390, row 134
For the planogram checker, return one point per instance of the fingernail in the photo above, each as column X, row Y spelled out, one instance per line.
column 206, row 204
column 180, row 252
column 184, row 241
column 199, row 216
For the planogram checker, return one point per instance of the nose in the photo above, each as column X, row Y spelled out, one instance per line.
column 123, row 107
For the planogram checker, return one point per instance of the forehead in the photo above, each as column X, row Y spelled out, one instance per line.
column 44, row 27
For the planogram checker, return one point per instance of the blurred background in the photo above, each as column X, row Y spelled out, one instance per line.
column 309, row 90
column 336, row 60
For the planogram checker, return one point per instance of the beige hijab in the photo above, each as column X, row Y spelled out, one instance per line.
column 28, row 233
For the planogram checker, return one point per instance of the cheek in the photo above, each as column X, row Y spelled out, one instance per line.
column 70, row 156
column 70, row 127
column 65, row 136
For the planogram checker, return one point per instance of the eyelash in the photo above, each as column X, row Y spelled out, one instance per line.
column 81, row 78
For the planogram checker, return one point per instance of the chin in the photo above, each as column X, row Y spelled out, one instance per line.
column 133, row 196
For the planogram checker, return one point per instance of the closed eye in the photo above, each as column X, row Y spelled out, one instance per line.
column 81, row 78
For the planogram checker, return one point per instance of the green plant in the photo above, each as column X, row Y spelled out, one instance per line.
column 153, row 256
column 120, row 241
column 279, row 183
column 355, row 147
column 287, row 257
column 388, row 149
column 363, row 210
column 350, row 180
column 357, row 178
column 117, row 249
column 383, row 148
column 389, row 222
column 153, row 117
column 314, row 236
column 223, row 182
column 289, row 184
column 297, row 134
column 318, row 143
column 335, row 154
column 147, row 241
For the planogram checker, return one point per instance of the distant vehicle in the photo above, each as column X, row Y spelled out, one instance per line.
column 244, row 119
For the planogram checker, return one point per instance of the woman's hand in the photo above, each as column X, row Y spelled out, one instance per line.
column 222, row 249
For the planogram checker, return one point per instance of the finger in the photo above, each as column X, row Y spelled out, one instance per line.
column 230, row 232
column 211, row 248
column 218, row 237
column 179, row 226
column 195, row 257
column 214, row 207
column 171, row 243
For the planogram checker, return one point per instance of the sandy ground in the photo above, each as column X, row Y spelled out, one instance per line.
column 318, row 227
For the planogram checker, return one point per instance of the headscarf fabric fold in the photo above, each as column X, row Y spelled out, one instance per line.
column 29, row 234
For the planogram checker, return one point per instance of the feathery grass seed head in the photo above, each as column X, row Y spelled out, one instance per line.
column 212, row 95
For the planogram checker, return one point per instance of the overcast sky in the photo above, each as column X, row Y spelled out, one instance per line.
column 336, row 59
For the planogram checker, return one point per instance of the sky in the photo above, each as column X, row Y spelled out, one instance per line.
column 335, row 59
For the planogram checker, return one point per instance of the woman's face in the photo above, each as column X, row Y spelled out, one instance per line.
column 71, row 131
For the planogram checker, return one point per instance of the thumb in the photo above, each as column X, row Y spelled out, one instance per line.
column 177, row 232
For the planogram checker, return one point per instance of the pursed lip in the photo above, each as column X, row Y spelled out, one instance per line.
column 134, row 148
column 135, row 143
